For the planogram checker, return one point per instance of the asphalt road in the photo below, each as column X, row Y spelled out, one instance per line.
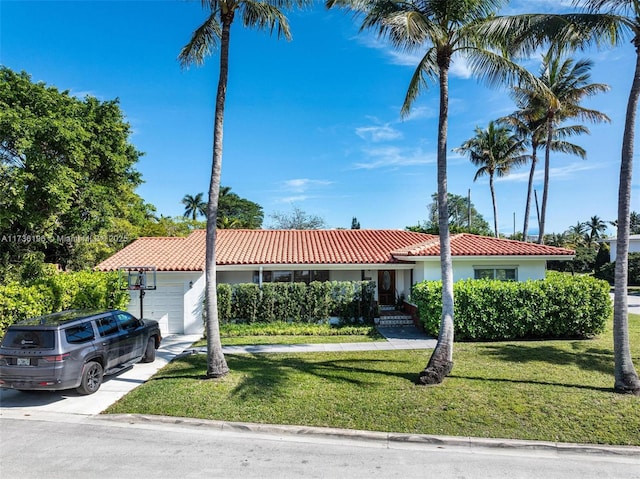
column 103, row 447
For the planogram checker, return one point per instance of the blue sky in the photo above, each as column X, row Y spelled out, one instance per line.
column 313, row 123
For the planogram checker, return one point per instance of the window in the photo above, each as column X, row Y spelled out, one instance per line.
column 126, row 321
column 501, row 274
column 25, row 339
column 107, row 325
column 79, row 334
column 282, row 277
column 302, row 276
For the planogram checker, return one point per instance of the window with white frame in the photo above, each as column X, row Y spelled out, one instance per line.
column 502, row 273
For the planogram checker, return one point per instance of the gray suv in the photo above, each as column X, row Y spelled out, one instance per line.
column 74, row 349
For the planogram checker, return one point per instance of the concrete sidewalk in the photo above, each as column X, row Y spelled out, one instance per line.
column 396, row 338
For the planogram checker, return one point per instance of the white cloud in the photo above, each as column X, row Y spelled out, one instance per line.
column 378, row 133
column 393, row 156
column 420, row 112
column 555, row 173
column 293, row 199
column 300, row 185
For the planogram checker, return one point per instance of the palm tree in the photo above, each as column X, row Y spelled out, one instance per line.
column 194, row 206
column 215, row 32
column 496, row 151
column 610, row 21
column 567, row 85
column 445, row 28
column 595, row 227
column 528, row 122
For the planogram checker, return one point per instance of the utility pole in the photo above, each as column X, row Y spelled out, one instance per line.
column 469, row 211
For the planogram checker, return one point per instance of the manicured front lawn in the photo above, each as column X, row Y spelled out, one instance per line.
column 544, row 390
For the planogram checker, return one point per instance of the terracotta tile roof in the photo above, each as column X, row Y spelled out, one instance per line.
column 255, row 247
column 166, row 254
column 465, row 244
column 312, row 246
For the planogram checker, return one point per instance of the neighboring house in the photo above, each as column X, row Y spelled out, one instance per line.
column 634, row 245
column 394, row 259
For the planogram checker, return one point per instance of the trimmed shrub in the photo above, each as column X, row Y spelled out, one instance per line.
column 80, row 290
column 224, row 302
column 245, row 302
column 352, row 302
column 558, row 306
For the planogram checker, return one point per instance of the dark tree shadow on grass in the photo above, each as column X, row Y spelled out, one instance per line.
column 588, row 359
column 531, row 381
column 265, row 375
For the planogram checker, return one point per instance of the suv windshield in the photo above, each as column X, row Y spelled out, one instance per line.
column 28, row 339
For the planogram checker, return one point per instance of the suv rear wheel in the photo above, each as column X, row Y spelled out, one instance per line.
column 150, row 352
column 91, row 378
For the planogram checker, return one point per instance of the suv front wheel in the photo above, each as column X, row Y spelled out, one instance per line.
column 91, row 378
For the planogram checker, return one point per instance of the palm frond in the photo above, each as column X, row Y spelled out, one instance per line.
column 204, row 40
column 263, row 15
column 423, row 74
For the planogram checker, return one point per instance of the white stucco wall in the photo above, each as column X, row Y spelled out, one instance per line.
column 634, row 245
column 463, row 268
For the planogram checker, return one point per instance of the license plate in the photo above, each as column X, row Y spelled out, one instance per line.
column 24, row 362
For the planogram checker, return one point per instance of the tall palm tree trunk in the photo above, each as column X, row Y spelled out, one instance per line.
column 527, row 206
column 216, row 363
column 441, row 362
column 545, row 191
column 626, row 377
column 495, row 205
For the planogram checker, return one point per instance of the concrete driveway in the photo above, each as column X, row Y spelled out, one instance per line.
column 16, row 403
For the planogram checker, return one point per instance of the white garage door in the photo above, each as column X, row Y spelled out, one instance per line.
column 165, row 305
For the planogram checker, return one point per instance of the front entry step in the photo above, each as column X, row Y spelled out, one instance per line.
column 390, row 317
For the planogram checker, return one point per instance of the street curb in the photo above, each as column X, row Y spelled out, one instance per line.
column 392, row 440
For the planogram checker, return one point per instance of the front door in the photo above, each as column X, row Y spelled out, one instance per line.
column 386, row 287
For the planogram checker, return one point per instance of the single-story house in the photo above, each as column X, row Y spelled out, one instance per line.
column 634, row 245
column 394, row 259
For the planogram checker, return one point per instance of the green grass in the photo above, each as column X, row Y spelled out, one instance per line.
column 542, row 390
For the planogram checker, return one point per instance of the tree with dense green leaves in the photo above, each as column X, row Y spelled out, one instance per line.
column 634, row 223
column 440, row 30
column 496, row 150
column 67, row 171
column 236, row 212
column 213, row 33
column 194, row 206
column 463, row 217
column 355, row 224
column 297, row 219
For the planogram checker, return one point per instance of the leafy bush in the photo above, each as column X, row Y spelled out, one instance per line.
column 81, row 290
column 297, row 302
column 607, row 271
column 224, row 302
column 558, row 306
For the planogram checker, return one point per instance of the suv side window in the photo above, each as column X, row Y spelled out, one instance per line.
column 127, row 322
column 107, row 325
column 79, row 334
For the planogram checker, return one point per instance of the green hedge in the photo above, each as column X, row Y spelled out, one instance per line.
column 81, row 290
column 297, row 302
column 558, row 306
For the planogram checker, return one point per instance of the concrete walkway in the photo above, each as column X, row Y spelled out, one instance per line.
column 397, row 338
